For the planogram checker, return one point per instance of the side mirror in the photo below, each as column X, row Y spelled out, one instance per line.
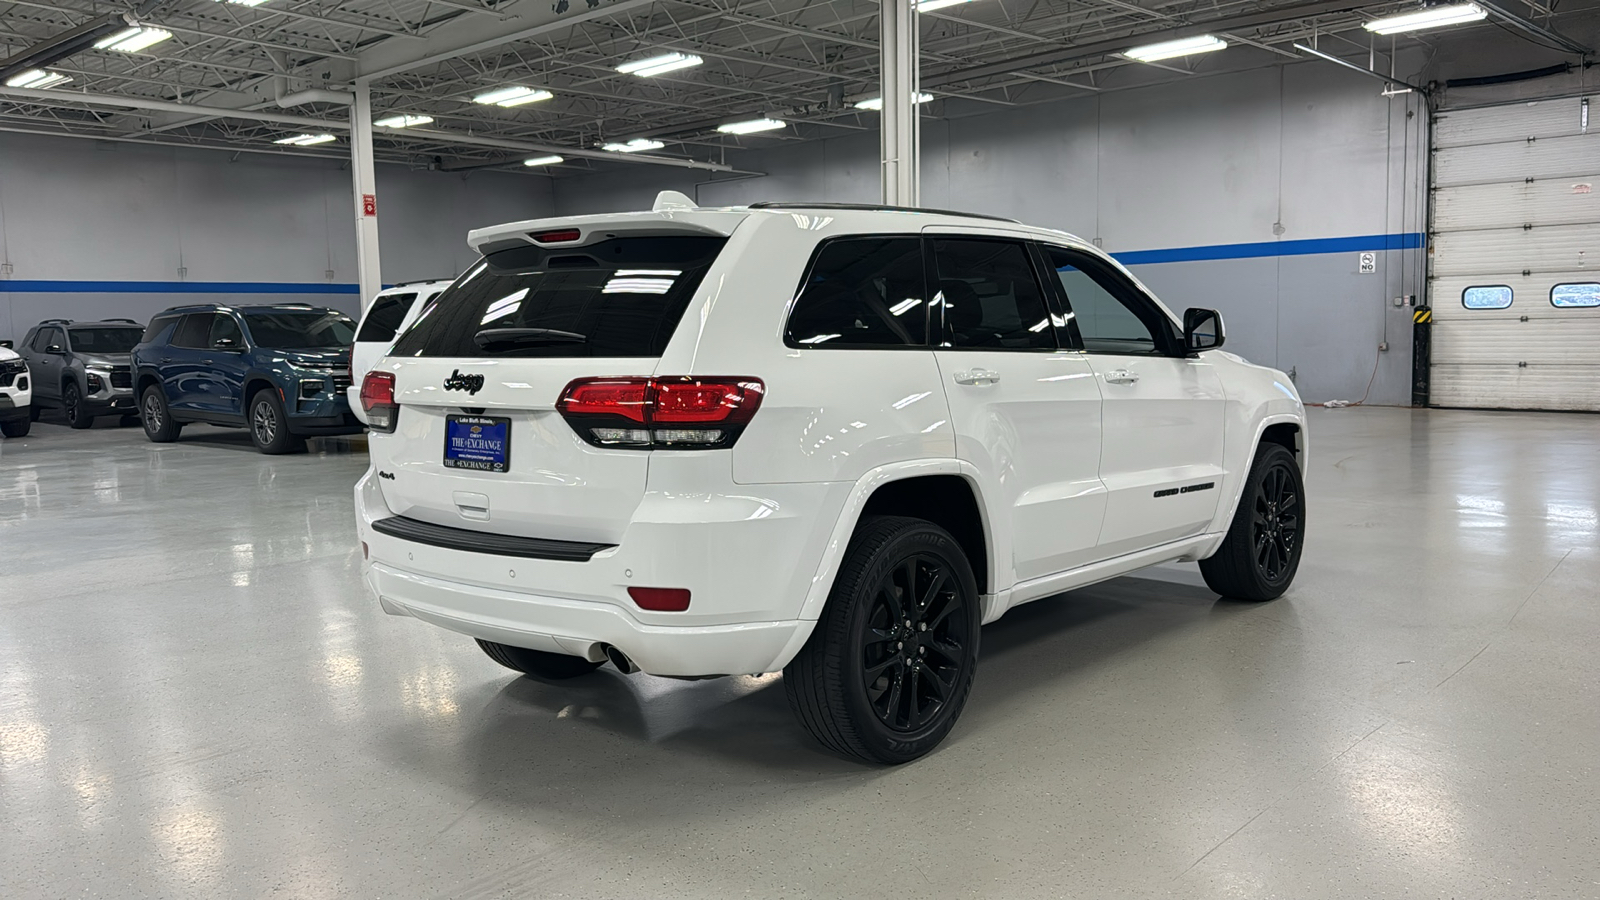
column 6, row 343
column 225, row 344
column 1202, row 330
column 53, row 348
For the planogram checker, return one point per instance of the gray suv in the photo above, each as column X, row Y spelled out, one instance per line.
column 82, row 368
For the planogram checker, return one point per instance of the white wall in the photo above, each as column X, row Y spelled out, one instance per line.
column 145, row 219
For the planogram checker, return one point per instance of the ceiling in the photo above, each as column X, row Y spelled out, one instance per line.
column 803, row 61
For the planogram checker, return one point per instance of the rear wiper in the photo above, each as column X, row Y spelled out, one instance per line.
column 489, row 338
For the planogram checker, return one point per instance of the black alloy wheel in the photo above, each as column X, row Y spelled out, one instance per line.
column 1258, row 558
column 72, row 404
column 913, row 653
column 888, row 668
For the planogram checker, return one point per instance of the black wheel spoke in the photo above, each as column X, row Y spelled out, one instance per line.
column 873, row 671
column 948, row 651
column 914, row 642
column 939, row 688
column 913, row 702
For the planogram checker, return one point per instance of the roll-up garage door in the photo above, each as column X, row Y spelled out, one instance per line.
column 1515, row 257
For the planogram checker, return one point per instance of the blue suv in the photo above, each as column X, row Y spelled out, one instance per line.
column 280, row 371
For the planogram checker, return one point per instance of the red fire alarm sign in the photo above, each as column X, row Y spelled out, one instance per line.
column 369, row 204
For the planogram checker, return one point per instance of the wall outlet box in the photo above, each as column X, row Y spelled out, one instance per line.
column 1382, row 346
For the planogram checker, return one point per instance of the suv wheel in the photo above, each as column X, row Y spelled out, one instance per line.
column 72, row 403
column 889, row 666
column 156, row 417
column 269, row 426
column 1258, row 558
column 539, row 664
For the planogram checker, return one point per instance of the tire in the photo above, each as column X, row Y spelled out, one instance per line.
column 537, row 663
column 269, row 425
column 865, row 684
column 1259, row 557
column 72, row 405
column 156, row 417
column 33, row 413
column 16, row 428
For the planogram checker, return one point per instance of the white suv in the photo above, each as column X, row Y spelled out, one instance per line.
column 389, row 314
column 832, row 440
column 16, row 394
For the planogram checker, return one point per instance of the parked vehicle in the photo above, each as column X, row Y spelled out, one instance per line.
column 16, row 394
column 279, row 370
column 388, row 316
column 828, row 439
column 82, row 368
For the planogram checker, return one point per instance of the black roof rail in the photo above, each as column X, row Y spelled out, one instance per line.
column 129, row 321
column 56, row 322
column 877, row 207
column 401, row 284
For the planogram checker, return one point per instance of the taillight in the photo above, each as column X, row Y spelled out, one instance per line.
column 670, row 413
column 660, row 599
column 377, row 401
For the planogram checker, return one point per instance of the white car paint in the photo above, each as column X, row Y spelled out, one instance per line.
column 364, row 354
column 18, row 390
column 1064, row 452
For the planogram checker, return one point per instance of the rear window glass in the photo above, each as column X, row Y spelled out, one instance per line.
column 620, row 297
column 309, row 330
column 103, row 340
column 1493, row 296
column 384, row 318
column 1580, row 294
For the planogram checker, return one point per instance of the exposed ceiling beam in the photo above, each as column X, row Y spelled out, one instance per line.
column 1528, row 26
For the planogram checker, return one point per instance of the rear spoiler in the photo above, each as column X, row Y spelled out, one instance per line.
column 579, row 231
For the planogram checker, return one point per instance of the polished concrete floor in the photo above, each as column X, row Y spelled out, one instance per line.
column 197, row 701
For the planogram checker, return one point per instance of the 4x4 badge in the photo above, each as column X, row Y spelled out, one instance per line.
column 459, row 382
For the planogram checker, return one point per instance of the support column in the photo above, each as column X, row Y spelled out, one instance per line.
column 362, row 170
column 901, row 83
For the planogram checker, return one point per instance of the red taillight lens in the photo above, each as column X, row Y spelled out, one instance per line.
column 563, row 236
column 660, row 599
column 377, row 401
column 672, row 413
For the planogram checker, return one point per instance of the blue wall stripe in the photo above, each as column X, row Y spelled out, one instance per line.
column 1358, row 244
column 175, row 287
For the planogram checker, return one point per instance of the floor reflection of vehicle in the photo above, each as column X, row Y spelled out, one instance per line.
column 280, row 371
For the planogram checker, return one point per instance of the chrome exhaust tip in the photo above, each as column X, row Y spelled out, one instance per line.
column 619, row 659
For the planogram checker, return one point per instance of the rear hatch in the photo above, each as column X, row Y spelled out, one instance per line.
column 491, row 356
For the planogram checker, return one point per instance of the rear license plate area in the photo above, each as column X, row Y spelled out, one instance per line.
column 481, row 443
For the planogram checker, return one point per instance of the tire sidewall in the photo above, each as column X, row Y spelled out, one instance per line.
column 888, row 744
column 1264, row 463
column 153, row 433
column 280, row 438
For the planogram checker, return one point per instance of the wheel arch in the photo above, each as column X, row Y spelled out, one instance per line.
column 144, row 380
column 946, row 492
column 254, row 383
column 1284, row 429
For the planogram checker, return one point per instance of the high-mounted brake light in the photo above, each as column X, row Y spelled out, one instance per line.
column 565, row 235
column 666, row 413
column 377, row 401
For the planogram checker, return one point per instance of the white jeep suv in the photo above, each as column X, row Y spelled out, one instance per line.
column 390, row 313
column 824, row 439
column 16, row 394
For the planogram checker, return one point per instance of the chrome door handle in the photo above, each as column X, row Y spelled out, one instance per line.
column 1121, row 376
column 977, row 376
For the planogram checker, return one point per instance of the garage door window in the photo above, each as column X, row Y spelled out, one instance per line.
column 1494, row 296
column 1577, row 295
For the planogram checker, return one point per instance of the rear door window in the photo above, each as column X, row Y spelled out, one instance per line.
column 992, row 298
column 621, row 297
column 861, row 293
column 384, row 318
column 194, row 331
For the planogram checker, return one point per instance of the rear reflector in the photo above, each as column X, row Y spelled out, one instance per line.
column 664, row 413
column 566, row 235
column 377, row 401
column 660, row 599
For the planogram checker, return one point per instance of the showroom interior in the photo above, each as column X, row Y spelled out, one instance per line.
column 205, row 691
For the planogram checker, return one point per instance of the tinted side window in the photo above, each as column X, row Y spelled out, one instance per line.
column 384, row 318
column 992, row 298
column 225, row 328
column 43, row 339
column 193, row 331
column 157, row 325
column 1110, row 316
column 862, row 292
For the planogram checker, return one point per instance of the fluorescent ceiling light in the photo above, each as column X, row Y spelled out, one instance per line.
column 36, row 78
column 305, row 140
column 656, row 65
column 634, row 146
column 132, row 40
column 1204, row 43
column 877, row 102
column 544, row 161
column 245, row 2
column 931, row 5
column 515, row 95
column 1433, row 17
column 404, row 120
column 752, row 126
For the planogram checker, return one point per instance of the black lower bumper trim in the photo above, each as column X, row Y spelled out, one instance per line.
column 483, row 542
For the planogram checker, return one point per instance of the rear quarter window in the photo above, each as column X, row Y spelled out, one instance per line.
column 621, row 297
column 862, row 293
column 384, row 318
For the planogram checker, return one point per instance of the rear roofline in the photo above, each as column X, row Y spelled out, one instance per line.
column 596, row 228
